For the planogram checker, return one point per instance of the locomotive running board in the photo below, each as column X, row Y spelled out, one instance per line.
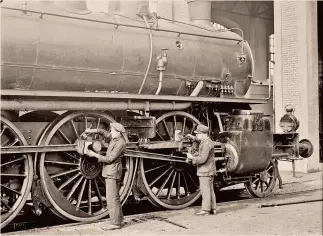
column 53, row 95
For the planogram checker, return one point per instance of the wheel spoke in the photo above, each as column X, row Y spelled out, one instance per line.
column 12, row 175
column 183, row 128
column 261, row 186
column 5, row 143
column 74, row 129
column 166, row 128
column 74, row 188
column 194, row 125
column 64, row 173
column 192, row 180
column 89, row 198
column 255, row 181
column 269, row 168
column 10, row 189
column 257, row 185
column 185, row 184
column 62, row 163
column 4, row 127
column 72, row 156
column 79, row 199
column 6, row 205
column 159, row 135
column 85, row 119
column 155, row 180
column 67, row 182
column 97, row 190
column 156, row 168
column 9, row 162
column 97, row 126
column 267, row 184
column 164, row 184
column 178, row 189
column 175, row 123
column 171, row 186
column 102, row 180
column 64, row 136
column 14, row 142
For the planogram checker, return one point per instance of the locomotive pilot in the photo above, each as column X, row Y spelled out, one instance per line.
column 112, row 171
column 206, row 168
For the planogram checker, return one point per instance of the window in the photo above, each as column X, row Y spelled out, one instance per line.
column 271, row 56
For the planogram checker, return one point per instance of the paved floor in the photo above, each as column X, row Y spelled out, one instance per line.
column 244, row 217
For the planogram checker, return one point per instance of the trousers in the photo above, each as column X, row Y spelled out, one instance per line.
column 113, row 201
column 207, row 191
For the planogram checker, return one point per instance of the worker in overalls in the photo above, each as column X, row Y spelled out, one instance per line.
column 112, row 171
column 206, row 169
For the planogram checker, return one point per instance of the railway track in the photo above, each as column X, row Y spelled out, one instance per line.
column 31, row 221
column 145, row 211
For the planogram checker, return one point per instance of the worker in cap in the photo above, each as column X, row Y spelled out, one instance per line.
column 112, row 170
column 206, row 169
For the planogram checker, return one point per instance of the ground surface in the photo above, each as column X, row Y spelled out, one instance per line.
column 242, row 217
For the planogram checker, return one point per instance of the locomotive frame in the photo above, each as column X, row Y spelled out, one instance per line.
column 41, row 151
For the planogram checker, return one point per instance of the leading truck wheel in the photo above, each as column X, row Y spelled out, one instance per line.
column 263, row 183
column 16, row 173
column 168, row 184
column 72, row 182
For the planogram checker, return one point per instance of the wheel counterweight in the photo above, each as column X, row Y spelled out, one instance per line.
column 171, row 185
column 16, row 173
column 73, row 182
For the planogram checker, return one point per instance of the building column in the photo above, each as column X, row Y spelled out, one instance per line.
column 296, row 72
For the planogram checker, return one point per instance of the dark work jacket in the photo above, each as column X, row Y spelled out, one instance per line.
column 205, row 160
column 112, row 160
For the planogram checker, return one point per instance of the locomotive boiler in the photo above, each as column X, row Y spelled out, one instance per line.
column 65, row 69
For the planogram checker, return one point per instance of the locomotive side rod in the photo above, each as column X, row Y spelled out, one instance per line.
column 130, row 153
column 72, row 147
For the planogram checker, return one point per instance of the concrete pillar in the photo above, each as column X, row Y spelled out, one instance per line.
column 296, row 72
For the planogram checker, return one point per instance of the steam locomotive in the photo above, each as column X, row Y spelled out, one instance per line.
column 65, row 69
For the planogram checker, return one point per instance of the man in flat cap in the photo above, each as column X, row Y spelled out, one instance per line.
column 206, row 169
column 112, row 170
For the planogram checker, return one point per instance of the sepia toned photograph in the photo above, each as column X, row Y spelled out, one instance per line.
column 161, row 117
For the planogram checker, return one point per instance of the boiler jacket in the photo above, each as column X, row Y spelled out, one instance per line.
column 115, row 152
column 205, row 161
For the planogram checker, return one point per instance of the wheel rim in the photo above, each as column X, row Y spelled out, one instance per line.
column 263, row 183
column 72, row 182
column 168, row 184
column 16, row 173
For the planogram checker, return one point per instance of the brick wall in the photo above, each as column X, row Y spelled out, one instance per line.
column 290, row 63
column 296, row 72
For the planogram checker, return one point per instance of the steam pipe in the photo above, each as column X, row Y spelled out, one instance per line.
column 197, row 89
column 25, row 105
column 160, row 82
column 118, row 24
column 150, row 55
column 87, row 106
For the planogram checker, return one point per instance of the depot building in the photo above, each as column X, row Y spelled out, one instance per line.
column 287, row 46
